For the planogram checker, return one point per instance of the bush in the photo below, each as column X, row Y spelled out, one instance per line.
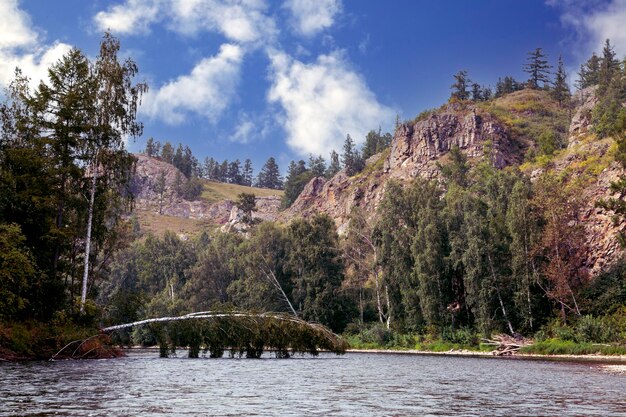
column 462, row 336
column 592, row 329
column 191, row 189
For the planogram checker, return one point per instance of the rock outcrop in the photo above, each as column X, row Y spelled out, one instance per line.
column 148, row 197
column 419, row 147
column 416, row 150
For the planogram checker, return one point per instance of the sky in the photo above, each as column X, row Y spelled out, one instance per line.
column 289, row 78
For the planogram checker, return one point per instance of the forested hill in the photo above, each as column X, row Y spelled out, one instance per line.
column 497, row 212
column 526, row 131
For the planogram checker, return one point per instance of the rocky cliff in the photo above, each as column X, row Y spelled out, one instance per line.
column 417, row 149
column 502, row 131
column 147, row 190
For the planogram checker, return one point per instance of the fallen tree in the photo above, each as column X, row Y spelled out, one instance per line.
column 507, row 345
column 215, row 332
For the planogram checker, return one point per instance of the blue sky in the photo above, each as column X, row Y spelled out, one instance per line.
column 259, row 78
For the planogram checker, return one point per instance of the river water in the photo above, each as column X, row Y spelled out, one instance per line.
column 351, row 385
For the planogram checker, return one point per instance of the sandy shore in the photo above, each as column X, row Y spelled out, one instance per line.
column 612, row 359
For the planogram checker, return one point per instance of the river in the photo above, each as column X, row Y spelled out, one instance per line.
column 142, row 384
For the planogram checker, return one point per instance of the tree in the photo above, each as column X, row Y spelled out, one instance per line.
column 297, row 178
column 315, row 265
column 160, row 187
column 375, row 142
column 609, row 66
column 561, row 250
column 560, row 92
column 246, row 202
column 334, row 166
column 115, row 101
column 167, row 153
column 351, row 157
column 459, row 88
column 317, row 166
column 506, row 86
column 537, row 68
column 589, row 73
column 269, row 176
column 247, row 172
column 150, row 149
column 19, row 277
column 234, row 172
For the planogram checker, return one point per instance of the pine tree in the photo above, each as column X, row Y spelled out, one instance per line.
column 537, row 68
column 609, row 66
column 297, row 178
column 334, row 166
column 351, row 157
column 459, row 88
column 269, row 176
column 589, row 74
column 167, row 153
column 247, row 172
column 561, row 92
column 317, row 166
column 234, row 172
column 150, row 147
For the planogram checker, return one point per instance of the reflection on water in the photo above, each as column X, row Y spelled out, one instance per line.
column 350, row 385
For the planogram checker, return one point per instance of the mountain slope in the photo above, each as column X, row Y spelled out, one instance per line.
column 507, row 131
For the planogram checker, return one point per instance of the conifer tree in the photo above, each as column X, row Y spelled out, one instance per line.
column 247, row 172
column 560, row 92
column 538, row 69
column 334, row 166
column 589, row 73
column 269, row 176
column 461, row 83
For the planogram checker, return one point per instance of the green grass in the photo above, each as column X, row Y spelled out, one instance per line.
column 159, row 224
column 567, row 347
column 219, row 191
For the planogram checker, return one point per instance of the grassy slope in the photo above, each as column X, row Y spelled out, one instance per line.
column 213, row 192
column 217, row 191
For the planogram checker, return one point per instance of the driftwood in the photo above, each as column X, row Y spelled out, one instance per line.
column 506, row 345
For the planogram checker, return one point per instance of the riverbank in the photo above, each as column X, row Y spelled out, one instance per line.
column 617, row 359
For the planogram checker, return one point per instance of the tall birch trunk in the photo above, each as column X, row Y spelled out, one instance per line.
column 92, row 198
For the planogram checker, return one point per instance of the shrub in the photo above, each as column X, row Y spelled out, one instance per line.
column 592, row 329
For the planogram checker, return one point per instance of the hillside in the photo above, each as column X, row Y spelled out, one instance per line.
column 505, row 130
column 160, row 208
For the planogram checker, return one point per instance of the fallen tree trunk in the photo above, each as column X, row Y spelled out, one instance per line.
column 506, row 345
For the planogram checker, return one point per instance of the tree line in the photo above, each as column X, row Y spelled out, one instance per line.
column 352, row 159
column 539, row 73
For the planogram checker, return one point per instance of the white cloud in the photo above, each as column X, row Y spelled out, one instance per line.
column 251, row 127
column 21, row 47
column 595, row 21
column 33, row 65
column 242, row 21
column 207, row 90
column 135, row 16
column 311, row 17
column 323, row 101
column 15, row 30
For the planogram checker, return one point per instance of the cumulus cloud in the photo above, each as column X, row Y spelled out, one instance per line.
column 323, row 101
column 250, row 127
column 311, row 17
column 207, row 90
column 135, row 16
column 594, row 22
column 21, row 47
column 242, row 21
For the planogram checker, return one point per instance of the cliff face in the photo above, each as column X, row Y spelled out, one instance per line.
column 148, row 198
column 419, row 147
column 416, row 150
